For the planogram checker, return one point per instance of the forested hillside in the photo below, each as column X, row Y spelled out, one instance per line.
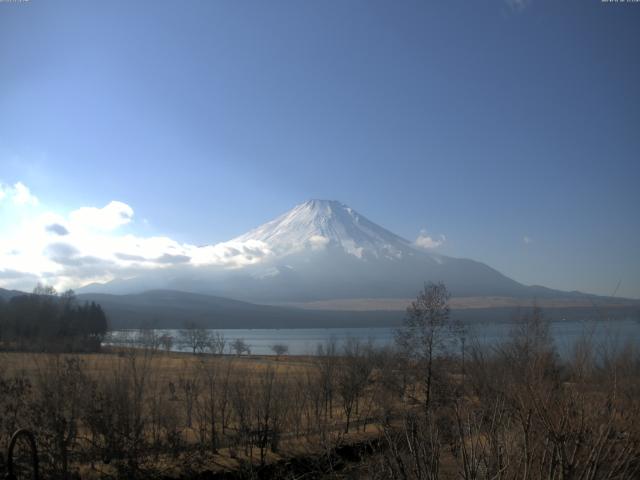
column 46, row 321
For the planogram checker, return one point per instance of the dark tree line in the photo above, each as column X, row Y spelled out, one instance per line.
column 46, row 320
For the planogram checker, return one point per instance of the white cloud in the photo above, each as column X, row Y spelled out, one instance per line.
column 231, row 254
column 527, row 240
column 22, row 195
column 18, row 194
column 425, row 240
column 85, row 246
column 110, row 217
column 318, row 242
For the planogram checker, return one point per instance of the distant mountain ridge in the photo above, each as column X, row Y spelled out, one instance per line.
column 176, row 309
column 8, row 294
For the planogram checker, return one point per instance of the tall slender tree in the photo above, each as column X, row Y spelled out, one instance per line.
column 426, row 332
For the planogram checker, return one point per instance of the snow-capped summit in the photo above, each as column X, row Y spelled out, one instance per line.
column 320, row 224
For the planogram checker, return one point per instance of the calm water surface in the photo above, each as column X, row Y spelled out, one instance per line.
column 304, row 341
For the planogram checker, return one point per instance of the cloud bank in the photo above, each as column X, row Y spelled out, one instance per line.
column 18, row 195
column 94, row 244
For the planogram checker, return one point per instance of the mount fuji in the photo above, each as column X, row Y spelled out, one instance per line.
column 323, row 250
column 316, row 224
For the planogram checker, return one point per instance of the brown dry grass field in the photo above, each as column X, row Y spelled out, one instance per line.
column 166, row 376
column 168, row 365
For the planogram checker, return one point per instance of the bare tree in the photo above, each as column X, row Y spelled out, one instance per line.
column 326, row 360
column 426, row 331
column 213, row 389
column 195, row 337
column 279, row 349
column 411, row 451
column 268, row 411
column 190, row 387
column 222, row 398
column 148, row 338
column 352, row 375
column 240, row 346
column 217, row 343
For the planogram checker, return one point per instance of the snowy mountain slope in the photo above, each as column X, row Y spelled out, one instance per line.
column 317, row 224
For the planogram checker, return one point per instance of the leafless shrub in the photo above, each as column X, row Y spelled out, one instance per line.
column 280, row 349
column 196, row 338
column 326, row 361
column 117, row 415
column 57, row 409
column 15, row 394
column 217, row 343
column 352, row 377
column 239, row 346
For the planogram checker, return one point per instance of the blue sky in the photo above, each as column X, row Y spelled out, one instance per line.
column 509, row 127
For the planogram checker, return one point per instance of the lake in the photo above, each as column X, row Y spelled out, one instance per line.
column 304, row 341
